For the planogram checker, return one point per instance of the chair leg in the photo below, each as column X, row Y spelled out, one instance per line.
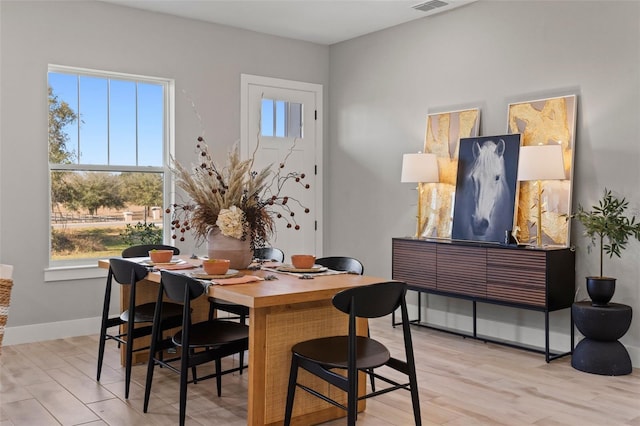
column 413, row 383
column 147, row 386
column 243, row 321
column 352, row 401
column 291, row 390
column 103, row 340
column 184, row 364
column 416, row 406
column 193, row 369
column 241, row 358
column 211, row 310
column 129, row 361
column 411, row 365
column 219, row 376
column 103, row 328
column 370, row 371
column 373, row 382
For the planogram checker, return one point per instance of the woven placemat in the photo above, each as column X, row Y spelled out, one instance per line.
column 5, row 300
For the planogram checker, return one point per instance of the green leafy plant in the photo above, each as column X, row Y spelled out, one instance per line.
column 141, row 233
column 607, row 226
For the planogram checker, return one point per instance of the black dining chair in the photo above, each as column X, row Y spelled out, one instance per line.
column 346, row 264
column 128, row 274
column 201, row 342
column 242, row 312
column 342, row 263
column 143, row 250
column 353, row 354
column 269, row 253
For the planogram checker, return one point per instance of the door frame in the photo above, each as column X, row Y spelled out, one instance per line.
column 245, row 81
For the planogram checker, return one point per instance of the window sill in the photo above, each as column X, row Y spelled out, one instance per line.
column 71, row 273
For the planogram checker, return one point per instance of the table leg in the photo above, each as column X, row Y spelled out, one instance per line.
column 272, row 333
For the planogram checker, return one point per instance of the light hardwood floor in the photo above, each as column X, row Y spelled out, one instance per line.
column 462, row 382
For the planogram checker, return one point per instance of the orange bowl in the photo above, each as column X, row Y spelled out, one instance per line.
column 160, row 256
column 303, row 261
column 216, row 266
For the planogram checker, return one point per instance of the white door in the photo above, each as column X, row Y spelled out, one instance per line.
column 281, row 119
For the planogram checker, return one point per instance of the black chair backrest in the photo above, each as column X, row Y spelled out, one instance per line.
column 371, row 301
column 175, row 285
column 342, row 263
column 271, row 253
column 126, row 272
column 143, row 250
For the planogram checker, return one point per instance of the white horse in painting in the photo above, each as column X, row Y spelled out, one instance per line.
column 490, row 189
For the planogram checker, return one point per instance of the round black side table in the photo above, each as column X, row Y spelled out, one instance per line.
column 600, row 352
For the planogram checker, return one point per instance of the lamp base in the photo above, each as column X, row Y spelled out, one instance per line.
column 539, row 218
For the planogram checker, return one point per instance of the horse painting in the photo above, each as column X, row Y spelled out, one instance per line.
column 485, row 190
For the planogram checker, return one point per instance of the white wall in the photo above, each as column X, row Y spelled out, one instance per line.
column 205, row 60
column 487, row 54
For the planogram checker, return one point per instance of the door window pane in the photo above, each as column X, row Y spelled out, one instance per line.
column 281, row 119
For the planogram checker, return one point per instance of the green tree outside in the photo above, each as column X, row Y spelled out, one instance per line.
column 96, row 190
column 143, row 189
column 60, row 115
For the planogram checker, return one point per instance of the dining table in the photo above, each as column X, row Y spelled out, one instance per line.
column 284, row 308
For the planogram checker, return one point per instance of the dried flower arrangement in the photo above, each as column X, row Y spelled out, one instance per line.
column 241, row 202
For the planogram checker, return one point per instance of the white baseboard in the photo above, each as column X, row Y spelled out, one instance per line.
column 50, row 331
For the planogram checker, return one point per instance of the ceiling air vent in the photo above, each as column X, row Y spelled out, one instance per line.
column 430, row 5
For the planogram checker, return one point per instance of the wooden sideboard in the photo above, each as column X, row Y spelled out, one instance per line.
column 539, row 279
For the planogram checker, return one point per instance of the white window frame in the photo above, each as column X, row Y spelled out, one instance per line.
column 88, row 268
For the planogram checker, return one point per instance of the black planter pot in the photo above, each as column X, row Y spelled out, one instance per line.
column 600, row 290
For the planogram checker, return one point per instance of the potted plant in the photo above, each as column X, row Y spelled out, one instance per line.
column 609, row 230
column 231, row 206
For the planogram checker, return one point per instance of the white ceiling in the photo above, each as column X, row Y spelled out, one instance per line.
column 318, row 21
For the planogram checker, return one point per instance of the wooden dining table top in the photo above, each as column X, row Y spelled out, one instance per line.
column 285, row 289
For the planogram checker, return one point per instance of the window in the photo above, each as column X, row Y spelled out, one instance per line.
column 108, row 145
column 281, row 119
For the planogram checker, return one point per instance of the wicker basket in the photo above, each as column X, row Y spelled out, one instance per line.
column 5, row 299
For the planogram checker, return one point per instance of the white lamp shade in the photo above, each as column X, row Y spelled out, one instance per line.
column 419, row 168
column 541, row 162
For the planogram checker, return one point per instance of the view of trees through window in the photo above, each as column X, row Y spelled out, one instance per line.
column 106, row 151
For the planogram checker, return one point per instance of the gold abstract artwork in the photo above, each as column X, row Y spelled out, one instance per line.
column 443, row 133
column 546, row 122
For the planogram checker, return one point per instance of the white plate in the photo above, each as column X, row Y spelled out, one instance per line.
column 204, row 276
column 290, row 268
column 172, row 262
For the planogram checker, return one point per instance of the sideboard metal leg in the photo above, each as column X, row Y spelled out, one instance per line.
column 475, row 322
column 573, row 331
column 546, row 336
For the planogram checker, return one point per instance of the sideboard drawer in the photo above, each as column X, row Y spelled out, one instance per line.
column 414, row 263
column 517, row 276
column 462, row 270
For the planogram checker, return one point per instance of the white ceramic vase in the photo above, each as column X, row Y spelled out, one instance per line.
column 222, row 247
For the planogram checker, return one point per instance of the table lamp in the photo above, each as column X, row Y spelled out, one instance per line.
column 419, row 168
column 538, row 163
